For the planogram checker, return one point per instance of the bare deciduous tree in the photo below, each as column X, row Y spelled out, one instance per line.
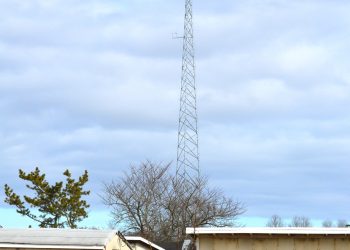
column 152, row 202
column 342, row 223
column 275, row 221
column 300, row 221
column 327, row 223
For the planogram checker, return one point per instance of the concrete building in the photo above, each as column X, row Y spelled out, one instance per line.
column 270, row 238
column 68, row 239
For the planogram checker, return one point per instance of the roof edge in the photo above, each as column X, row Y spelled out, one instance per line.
column 147, row 242
column 270, row 230
column 30, row 246
column 110, row 237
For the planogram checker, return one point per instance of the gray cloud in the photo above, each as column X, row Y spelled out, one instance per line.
column 88, row 84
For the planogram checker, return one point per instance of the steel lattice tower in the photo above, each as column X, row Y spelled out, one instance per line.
column 187, row 149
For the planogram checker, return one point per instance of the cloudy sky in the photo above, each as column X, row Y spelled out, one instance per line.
column 94, row 84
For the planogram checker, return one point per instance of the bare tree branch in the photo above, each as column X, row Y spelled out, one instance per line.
column 150, row 201
column 300, row 221
column 275, row 221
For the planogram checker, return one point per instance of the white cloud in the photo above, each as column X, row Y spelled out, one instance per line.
column 94, row 84
column 301, row 58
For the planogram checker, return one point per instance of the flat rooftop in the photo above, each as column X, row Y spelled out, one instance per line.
column 55, row 238
column 269, row 231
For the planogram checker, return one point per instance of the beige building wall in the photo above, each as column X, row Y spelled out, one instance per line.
column 208, row 242
column 117, row 244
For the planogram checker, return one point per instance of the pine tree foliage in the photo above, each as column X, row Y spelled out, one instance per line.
column 52, row 206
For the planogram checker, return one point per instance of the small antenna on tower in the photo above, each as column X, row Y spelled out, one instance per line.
column 187, row 148
column 176, row 36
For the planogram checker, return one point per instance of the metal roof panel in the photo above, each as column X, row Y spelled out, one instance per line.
column 45, row 236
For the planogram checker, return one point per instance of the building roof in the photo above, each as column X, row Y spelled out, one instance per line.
column 171, row 245
column 270, row 231
column 55, row 238
column 131, row 239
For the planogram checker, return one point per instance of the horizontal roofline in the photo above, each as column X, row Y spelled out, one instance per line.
column 35, row 246
column 56, row 238
column 270, row 231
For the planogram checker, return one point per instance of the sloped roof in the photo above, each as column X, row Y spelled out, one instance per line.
column 56, row 238
column 144, row 241
column 171, row 245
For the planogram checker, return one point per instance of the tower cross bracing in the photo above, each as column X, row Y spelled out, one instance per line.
column 187, row 149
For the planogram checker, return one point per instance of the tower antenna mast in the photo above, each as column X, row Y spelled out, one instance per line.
column 187, row 148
